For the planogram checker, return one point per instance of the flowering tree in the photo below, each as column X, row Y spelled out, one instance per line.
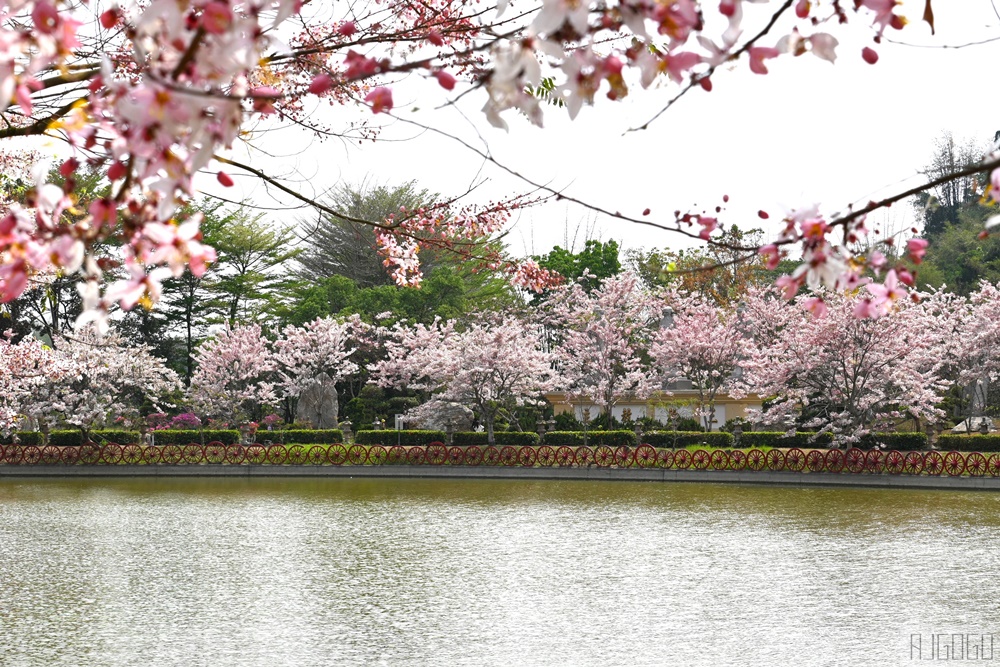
column 491, row 367
column 90, row 380
column 151, row 94
column 321, row 351
column 841, row 373
column 972, row 327
column 25, row 370
column 703, row 343
column 601, row 338
column 321, row 346
column 235, row 376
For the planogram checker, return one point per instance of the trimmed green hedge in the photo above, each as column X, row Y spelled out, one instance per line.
column 680, row 439
column 594, row 438
column 686, row 438
column 74, row 437
column 779, row 439
column 186, row 436
column 388, row 437
column 501, row 438
column 24, row 437
column 461, row 438
column 328, row 436
column 970, row 443
column 900, row 441
column 63, row 438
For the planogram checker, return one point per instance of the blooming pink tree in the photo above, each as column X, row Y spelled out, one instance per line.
column 152, row 93
column 972, row 327
column 324, row 347
column 25, row 371
column 601, row 339
column 838, row 373
column 321, row 346
column 90, row 380
column 236, row 375
column 491, row 367
column 701, row 342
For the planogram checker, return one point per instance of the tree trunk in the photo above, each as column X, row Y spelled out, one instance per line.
column 490, row 438
column 189, row 347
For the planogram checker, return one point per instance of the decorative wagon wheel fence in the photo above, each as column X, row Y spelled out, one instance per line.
column 853, row 461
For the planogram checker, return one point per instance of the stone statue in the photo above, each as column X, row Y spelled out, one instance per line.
column 443, row 412
column 318, row 402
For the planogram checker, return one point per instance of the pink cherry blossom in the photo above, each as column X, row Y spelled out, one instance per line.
column 815, row 305
column 916, row 249
column 380, row 100
column 758, row 54
column 446, row 80
column 216, row 17
column 320, row 84
column 770, row 251
column 888, row 292
column 824, row 46
column 867, row 308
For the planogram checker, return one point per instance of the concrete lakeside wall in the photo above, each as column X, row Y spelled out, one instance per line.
column 495, row 472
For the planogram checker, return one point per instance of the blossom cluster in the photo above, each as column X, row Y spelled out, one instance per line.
column 84, row 381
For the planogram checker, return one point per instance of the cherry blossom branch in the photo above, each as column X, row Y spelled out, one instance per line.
column 987, row 165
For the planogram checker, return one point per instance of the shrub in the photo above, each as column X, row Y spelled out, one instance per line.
column 779, row 439
column 120, row 436
column 688, row 424
column 611, row 438
column 183, row 437
column 327, row 436
column 685, row 438
column 502, row 438
column 66, row 438
column 901, row 441
column 185, row 421
column 565, row 421
column 389, row 437
column 594, row 438
column 560, row 438
column 970, row 443
column 23, row 437
column 157, row 421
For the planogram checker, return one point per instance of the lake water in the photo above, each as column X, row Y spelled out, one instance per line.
column 484, row 572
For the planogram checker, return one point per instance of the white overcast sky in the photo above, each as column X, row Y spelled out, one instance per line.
column 809, row 132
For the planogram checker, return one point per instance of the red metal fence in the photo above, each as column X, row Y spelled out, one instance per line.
column 833, row 461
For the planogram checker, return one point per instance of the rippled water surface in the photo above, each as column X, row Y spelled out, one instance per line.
column 477, row 572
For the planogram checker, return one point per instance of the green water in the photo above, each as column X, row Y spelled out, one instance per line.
column 476, row 572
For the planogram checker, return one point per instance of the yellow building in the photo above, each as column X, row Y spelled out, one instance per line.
column 684, row 401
